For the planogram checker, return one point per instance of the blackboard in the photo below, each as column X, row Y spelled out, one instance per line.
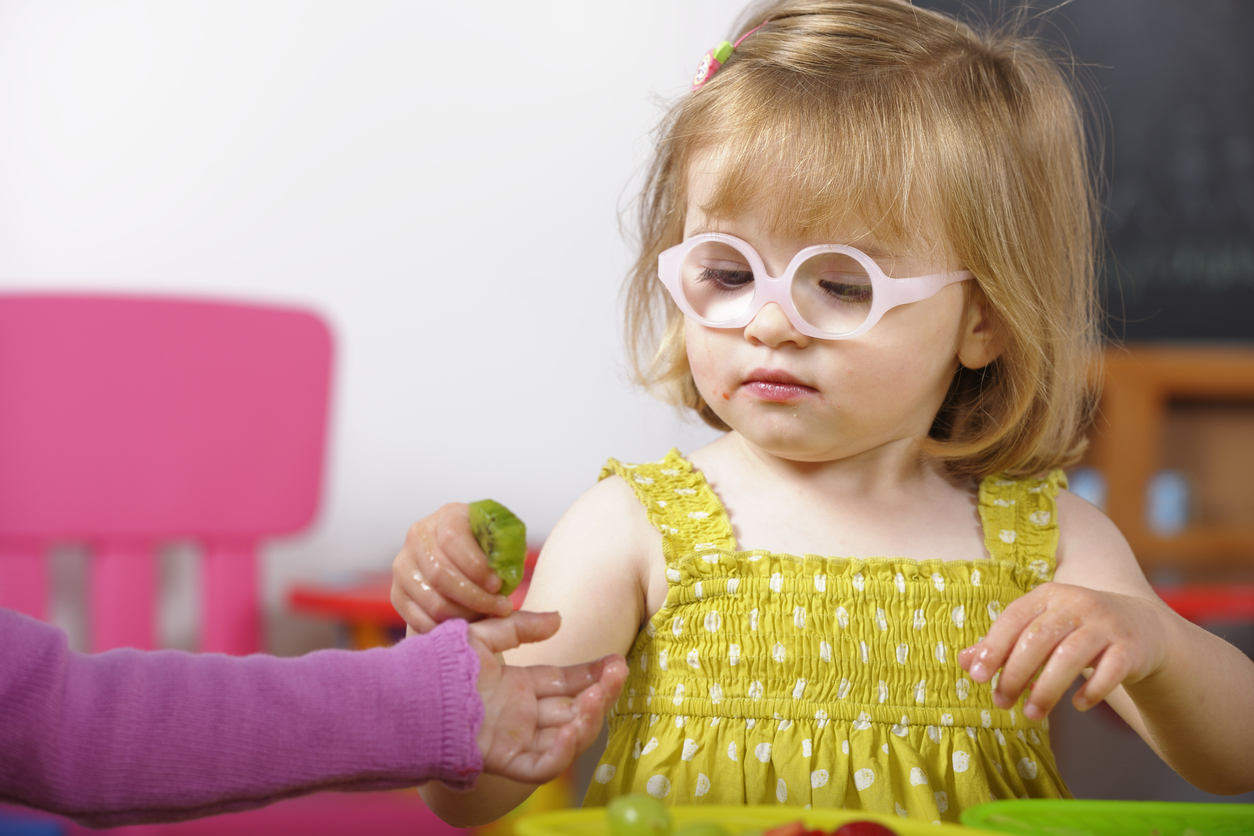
column 1175, row 81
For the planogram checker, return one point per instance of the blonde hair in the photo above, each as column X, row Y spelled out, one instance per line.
column 903, row 114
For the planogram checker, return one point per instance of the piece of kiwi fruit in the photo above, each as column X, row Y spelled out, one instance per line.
column 503, row 538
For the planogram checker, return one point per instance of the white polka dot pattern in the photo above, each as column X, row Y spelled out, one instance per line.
column 848, row 661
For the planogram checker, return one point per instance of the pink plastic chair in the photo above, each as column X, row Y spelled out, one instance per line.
column 128, row 422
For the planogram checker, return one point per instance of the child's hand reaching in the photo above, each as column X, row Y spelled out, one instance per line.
column 1059, row 631
column 441, row 573
column 536, row 720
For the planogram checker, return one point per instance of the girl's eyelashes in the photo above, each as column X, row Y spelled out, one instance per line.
column 725, row 278
column 857, row 293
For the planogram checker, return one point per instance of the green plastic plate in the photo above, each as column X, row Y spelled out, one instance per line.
column 1053, row 817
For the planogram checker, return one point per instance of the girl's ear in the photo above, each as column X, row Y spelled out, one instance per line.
column 980, row 341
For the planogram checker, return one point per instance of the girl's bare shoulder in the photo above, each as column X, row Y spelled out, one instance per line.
column 1092, row 552
column 608, row 511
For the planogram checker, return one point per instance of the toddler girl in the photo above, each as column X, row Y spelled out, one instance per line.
column 867, row 255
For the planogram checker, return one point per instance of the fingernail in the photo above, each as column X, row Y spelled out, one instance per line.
column 1081, row 703
column 978, row 670
column 1033, row 712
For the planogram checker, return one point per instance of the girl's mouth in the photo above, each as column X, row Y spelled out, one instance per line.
column 775, row 386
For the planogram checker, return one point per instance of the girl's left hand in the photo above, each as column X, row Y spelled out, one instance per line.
column 1059, row 631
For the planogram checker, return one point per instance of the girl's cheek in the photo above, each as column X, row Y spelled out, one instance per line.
column 705, row 373
column 711, row 370
column 696, row 357
column 709, row 388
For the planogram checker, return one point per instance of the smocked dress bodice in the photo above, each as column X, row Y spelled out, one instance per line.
column 825, row 681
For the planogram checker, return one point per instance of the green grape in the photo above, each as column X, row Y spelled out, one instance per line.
column 638, row 815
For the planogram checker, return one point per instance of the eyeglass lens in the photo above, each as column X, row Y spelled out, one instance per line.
column 831, row 291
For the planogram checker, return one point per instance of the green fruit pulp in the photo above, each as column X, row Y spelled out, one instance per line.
column 503, row 538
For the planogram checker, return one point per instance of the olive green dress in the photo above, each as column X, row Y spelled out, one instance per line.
column 825, row 681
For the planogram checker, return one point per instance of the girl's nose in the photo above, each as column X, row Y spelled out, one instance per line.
column 772, row 327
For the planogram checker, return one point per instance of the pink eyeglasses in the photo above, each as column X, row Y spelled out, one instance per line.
column 830, row 292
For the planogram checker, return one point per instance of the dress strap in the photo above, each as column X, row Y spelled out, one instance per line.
column 1020, row 517
column 679, row 503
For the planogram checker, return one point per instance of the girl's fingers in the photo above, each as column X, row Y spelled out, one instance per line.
column 444, row 573
column 1075, row 653
column 1045, row 640
column 1037, row 647
column 441, row 574
column 1013, row 646
column 418, row 601
column 451, row 536
column 409, row 610
column 1109, row 673
column 407, row 600
column 989, row 654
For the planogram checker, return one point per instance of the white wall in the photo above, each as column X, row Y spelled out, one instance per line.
column 442, row 182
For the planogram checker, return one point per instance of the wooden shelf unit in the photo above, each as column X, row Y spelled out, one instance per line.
column 1140, row 386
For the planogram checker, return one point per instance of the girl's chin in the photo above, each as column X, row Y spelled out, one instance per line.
column 793, row 443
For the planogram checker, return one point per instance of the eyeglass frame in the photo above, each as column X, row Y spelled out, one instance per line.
column 886, row 292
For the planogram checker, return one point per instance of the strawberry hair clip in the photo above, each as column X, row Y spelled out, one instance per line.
column 714, row 58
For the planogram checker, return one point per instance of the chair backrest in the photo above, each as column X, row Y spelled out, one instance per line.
column 126, row 421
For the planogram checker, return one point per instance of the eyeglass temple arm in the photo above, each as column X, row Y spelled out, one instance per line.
column 921, row 287
column 665, row 264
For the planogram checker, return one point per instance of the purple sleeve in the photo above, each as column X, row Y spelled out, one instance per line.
column 129, row 736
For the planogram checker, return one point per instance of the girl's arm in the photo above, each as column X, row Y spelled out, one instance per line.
column 1186, row 691
column 594, row 570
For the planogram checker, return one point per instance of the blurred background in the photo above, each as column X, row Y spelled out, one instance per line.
column 444, row 185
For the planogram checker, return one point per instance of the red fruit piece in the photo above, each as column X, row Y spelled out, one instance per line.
column 792, row 828
column 864, row 828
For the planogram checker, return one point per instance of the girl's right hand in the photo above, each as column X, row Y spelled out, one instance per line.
column 441, row 573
